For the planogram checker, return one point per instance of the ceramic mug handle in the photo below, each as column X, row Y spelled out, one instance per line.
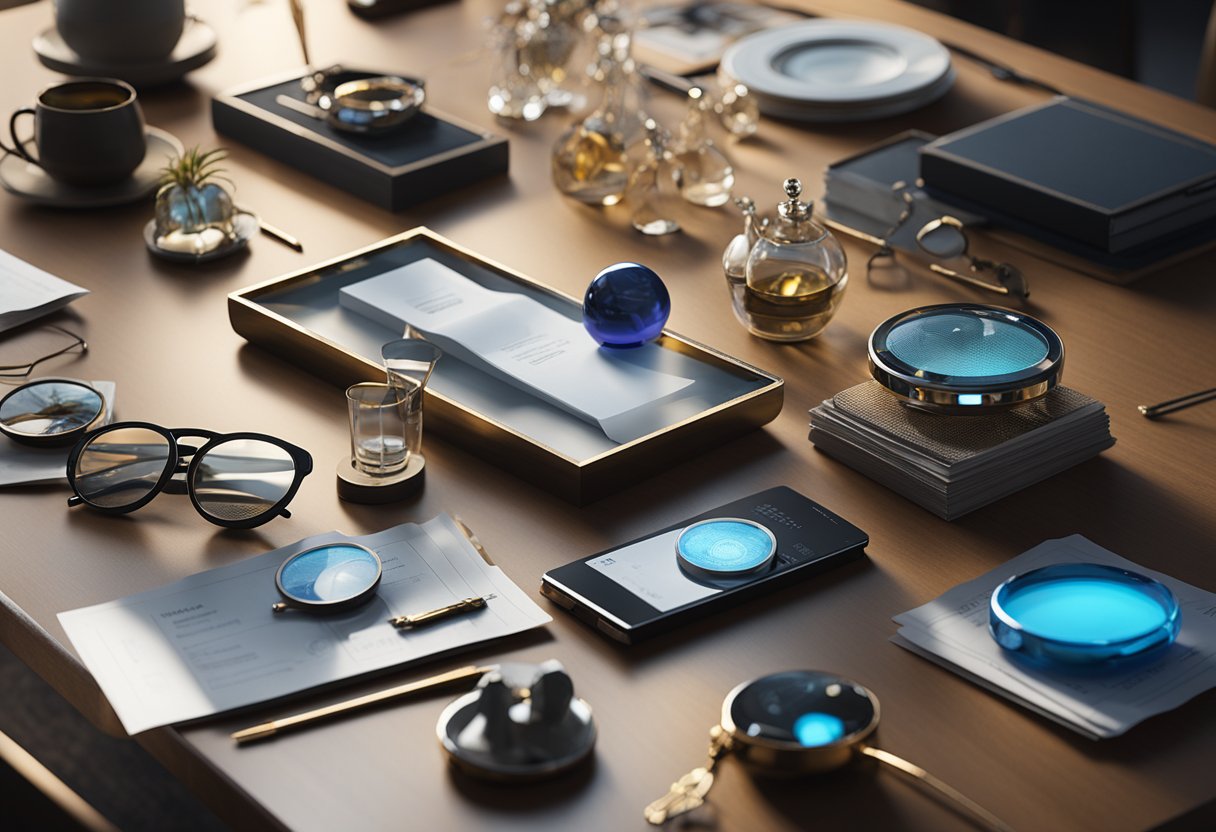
column 18, row 148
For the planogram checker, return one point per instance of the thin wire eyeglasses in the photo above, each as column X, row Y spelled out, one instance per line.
column 23, row 370
column 946, row 237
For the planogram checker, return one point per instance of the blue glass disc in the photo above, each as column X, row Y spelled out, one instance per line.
column 1083, row 612
column 626, row 306
column 726, row 546
column 966, row 346
column 329, row 574
column 815, row 729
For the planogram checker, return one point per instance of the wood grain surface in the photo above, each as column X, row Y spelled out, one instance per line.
column 161, row 332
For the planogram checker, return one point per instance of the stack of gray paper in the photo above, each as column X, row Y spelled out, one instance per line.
column 954, row 464
column 1098, row 702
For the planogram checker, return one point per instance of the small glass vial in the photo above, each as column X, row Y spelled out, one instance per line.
column 796, row 274
column 705, row 175
column 734, row 257
column 588, row 161
column 652, row 194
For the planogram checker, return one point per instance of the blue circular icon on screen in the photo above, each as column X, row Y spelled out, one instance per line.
column 726, row 547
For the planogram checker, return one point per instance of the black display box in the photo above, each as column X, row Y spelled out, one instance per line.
column 430, row 155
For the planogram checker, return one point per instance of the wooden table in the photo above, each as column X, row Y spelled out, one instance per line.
column 161, row 332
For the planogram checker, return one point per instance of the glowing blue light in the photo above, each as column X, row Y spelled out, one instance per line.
column 725, row 546
column 970, row 398
column 816, row 729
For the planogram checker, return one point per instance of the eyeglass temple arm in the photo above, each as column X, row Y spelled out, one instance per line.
column 944, row 789
column 938, row 268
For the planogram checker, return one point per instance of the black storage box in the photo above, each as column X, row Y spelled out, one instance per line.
column 430, row 155
column 1081, row 171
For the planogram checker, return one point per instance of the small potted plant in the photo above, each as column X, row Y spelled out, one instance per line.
column 194, row 211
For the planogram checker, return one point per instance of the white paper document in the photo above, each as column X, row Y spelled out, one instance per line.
column 522, row 341
column 650, row 571
column 210, row 642
column 23, row 465
column 27, row 292
column 953, row 631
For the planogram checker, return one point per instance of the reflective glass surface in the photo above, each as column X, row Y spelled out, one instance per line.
column 802, row 708
column 964, row 345
column 1083, row 612
column 120, row 467
column 242, row 478
column 726, row 546
column 49, row 408
column 329, row 574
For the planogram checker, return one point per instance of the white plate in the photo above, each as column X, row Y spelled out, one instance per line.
column 195, row 48
column 31, row 182
column 837, row 62
column 796, row 111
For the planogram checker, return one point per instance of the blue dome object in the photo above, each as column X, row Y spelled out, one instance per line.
column 625, row 306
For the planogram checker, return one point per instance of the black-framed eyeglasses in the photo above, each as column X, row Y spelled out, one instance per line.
column 946, row 237
column 237, row 480
column 23, row 370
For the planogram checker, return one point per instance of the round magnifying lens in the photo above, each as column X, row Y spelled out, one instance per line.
column 799, row 721
column 51, row 412
column 328, row 578
column 965, row 358
column 725, row 547
column 1083, row 613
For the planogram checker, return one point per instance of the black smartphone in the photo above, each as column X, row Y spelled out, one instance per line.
column 633, row 591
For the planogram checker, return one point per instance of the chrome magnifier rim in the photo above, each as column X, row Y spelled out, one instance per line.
column 346, row 110
column 930, row 389
column 61, row 438
column 296, row 602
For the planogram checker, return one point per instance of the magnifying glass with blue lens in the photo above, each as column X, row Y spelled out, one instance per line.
column 330, row 578
column 795, row 723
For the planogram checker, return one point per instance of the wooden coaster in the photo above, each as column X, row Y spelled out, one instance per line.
column 357, row 487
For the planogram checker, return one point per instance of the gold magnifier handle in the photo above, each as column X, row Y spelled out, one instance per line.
column 689, row 791
column 947, row 791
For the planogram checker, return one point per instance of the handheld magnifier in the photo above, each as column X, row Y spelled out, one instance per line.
column 797, row 723
column 965, row 358
column 51, row 412
column 725, row 548
column 1083, row 614
column 356, row 102
column 330, row 578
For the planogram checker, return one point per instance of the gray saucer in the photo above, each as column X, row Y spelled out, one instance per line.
column 244, row 226
column 196, row 47
column 31, row 182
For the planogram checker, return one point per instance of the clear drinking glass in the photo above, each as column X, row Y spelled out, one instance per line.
column 383, row 430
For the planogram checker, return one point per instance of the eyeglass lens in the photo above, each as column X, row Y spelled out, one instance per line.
column 122, row 466
column 49, row 408
column 240, row 479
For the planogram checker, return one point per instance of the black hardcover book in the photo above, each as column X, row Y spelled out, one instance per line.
column 1079, row 170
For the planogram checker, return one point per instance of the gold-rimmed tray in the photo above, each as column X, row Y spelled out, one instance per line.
column 299, row 317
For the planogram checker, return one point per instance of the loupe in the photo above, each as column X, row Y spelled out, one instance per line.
column 1083, row 614
column 330, row 578
column 965, row 358
column 796, row 723
column 725, row 548
column 51, row 412
column 359, row 102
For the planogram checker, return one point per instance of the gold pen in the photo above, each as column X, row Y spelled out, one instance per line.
column 459, row 608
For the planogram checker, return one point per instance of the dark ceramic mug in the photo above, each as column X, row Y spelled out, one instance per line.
column 120, row 31
column 88, row 131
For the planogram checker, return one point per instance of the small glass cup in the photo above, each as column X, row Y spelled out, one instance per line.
column 385, row 427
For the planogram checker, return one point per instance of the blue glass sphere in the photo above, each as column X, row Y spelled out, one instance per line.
column 626, row 306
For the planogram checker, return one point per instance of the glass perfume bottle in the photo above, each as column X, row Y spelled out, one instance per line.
column 796, row 274
column 589, row 158
column 652, row 194
column 734, row 257
column 705, row 174
column 738, row 110
column 515, row 87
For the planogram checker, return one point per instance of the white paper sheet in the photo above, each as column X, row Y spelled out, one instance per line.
column 650, row 571
column 521, row 341
column 23, row 465
column 209, row 642
column 27, row 292
column 953, row 631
